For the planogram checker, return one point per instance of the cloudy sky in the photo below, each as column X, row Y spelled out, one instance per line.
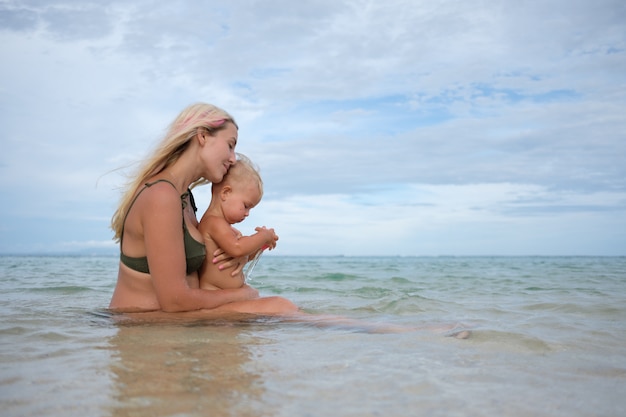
column 415, row 127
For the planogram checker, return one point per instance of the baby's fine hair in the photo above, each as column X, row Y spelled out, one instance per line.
column 244, row 171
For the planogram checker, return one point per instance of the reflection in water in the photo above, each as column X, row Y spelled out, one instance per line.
column 198, row 364
column 189, row 368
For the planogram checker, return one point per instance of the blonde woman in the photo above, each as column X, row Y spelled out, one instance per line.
column 161, row 249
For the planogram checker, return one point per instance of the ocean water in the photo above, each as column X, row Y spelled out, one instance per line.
column 548, row 339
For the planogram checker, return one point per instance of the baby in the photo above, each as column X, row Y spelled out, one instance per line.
column 231, row 202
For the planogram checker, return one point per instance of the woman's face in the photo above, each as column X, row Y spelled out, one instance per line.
column 218, row 152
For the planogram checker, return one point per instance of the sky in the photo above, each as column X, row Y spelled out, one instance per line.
column 392, row 128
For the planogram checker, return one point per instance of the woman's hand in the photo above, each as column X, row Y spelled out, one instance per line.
column 226, row 261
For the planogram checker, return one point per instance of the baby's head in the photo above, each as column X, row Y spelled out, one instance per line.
column 242, row 177
column 243, row 172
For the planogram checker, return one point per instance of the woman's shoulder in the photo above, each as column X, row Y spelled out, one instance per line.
column 159, row 194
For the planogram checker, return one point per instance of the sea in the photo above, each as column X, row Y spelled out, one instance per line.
column 547, row 337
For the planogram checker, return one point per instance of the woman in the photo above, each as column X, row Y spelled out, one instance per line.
column 161, row 249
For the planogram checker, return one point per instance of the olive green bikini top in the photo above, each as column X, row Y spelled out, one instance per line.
column 195, row 251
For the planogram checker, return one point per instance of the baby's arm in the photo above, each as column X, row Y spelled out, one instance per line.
column 226, row 237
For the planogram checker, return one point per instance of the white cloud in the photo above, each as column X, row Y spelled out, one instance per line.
column 421, row 219
column 461, row 120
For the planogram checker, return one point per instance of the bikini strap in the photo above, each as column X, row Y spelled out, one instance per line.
column 183, row 197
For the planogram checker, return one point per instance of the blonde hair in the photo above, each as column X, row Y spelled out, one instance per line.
column 179, row 134
column 243, row 172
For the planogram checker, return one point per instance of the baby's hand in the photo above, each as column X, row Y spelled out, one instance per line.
column 271, row 236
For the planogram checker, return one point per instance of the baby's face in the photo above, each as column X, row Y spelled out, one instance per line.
column 243, row 198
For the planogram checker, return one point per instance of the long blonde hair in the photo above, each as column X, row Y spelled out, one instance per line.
column 177, row 139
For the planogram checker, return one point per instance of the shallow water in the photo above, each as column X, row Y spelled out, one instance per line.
column 548, row 339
